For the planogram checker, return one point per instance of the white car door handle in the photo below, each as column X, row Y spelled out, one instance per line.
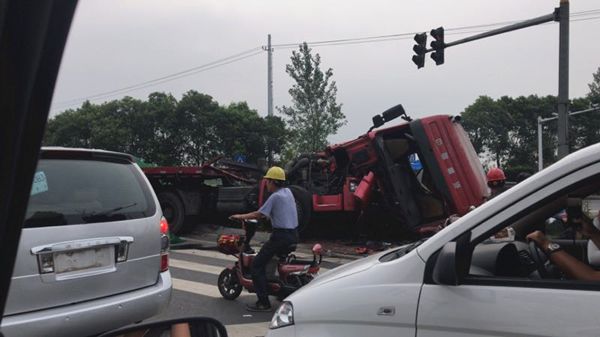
column 386, row 311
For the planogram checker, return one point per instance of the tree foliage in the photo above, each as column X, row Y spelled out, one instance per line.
column 166, row 131
column 314, row 114
column 504, row 131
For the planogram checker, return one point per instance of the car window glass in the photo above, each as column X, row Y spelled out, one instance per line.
column 506, row 253
column 86, row 191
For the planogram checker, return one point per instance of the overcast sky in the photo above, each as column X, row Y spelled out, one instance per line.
column 115, row 43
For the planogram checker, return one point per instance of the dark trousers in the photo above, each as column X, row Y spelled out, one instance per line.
column 279, row 242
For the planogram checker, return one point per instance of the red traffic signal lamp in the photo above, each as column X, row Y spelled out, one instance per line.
column 438, row 45
column 420, row 49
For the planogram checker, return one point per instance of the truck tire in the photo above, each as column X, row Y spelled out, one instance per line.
column 173, row 211
column 304, row 207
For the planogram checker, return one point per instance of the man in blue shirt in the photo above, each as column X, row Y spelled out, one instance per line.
column 280, row 208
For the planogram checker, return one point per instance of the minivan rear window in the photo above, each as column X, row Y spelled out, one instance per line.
column 81, row 191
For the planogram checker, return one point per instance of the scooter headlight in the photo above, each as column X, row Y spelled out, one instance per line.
column 284, row 316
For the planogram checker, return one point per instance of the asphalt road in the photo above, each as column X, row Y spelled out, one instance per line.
column 195, row 292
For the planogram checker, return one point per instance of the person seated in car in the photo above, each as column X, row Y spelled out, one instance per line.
column 564, row 261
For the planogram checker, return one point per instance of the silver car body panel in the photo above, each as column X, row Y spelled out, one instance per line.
column 92, row 317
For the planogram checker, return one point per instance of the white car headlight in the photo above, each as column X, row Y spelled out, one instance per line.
column 284, row 316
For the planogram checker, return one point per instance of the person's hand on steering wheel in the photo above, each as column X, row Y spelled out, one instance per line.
column 540, row 239
column 538, row 246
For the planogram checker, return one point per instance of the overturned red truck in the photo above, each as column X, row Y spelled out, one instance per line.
column 364, row 185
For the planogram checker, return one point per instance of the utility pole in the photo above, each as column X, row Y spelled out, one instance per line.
column 269, row 50
column 269, row 77
column 563, row 79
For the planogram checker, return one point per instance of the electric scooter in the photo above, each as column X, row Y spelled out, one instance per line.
column 285, row 272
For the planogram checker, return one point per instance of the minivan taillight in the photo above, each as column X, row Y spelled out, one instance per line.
column 164, row 244
column 164, row 226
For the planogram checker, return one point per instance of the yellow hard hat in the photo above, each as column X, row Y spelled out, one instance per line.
column 275, row 173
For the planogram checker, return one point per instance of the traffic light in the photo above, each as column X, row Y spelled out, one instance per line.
column 438, row 45
column 420, row 49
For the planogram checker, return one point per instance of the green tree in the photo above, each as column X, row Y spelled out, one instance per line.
column 488, row 124
column 158, row 129
column 505, row 130
column 594, row 94
column 196, row 114
column 167, row 132
column 248, row 134
column 314, row 114
column 585, row 128
column 72, row 128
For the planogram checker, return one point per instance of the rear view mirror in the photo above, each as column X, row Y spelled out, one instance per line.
column 388, row 115
column 444, row 270
column 377, row 121
column 180, row 327
column 393, row 113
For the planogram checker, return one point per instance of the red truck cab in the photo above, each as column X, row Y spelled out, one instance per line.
column 375, row 168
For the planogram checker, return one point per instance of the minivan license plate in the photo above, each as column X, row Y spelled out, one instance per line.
column 84, row 259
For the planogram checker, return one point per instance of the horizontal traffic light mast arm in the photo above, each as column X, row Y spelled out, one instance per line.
column 501, row 30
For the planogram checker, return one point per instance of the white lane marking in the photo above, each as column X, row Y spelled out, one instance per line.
column 206, row 253
column 248, row 329
column 218, row 255
column 193, row 266
column 200, row 288
column 206, row 268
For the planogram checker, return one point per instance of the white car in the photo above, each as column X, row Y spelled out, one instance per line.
column 463, row 281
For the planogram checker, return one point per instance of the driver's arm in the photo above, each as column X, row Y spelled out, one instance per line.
column 564, row 261
column 248, row 216
column 573, row 267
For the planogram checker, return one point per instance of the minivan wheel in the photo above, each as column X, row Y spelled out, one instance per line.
column 173, row 211
column 229, row 285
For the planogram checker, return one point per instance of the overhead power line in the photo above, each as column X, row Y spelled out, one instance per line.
column 586, row 15
column 404, row 36
column 171, row 77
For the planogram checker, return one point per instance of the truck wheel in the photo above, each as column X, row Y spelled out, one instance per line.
column 304, row 207
column 173, row 211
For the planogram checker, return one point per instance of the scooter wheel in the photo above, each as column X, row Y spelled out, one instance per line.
column 229, row 285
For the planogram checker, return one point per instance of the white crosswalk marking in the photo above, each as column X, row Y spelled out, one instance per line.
column 206, row 268
column 218, row 255
column 193, row 266
column 207, row 253
column 202, row 288
column 199, row 288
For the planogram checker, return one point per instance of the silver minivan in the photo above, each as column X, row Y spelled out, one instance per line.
column 93, row 254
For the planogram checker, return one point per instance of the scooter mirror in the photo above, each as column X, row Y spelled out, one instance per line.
column 317, row 249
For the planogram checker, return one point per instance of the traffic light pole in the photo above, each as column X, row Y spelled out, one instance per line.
column 561, row 14
column 563, row 79
column 501, row 30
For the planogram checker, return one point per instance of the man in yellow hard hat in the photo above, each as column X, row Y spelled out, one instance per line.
column 280, row 208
